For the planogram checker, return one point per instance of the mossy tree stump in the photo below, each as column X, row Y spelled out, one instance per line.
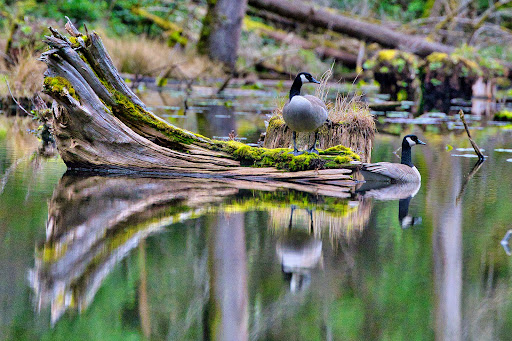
column 100, row 124
column 449, row 76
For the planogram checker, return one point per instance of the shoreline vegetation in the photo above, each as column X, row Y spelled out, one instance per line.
column 270, row 45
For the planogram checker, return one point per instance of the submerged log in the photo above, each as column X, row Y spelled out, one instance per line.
column 100, row 124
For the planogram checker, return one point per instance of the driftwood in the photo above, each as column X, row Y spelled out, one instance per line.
column 100, row 124
column 389, row 38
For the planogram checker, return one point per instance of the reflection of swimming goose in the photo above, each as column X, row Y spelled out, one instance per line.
column 402, row 191
column 404, row 171
column 304, row 113
column 404, row 218
column 299, row 252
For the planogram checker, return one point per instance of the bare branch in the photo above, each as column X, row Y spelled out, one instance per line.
column 14, row 99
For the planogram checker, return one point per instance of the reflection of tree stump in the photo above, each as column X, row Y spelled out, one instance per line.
column 94, row 222
column 100, row 124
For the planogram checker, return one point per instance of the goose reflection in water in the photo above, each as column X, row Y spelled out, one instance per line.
column 403, row 192
column 299, row 253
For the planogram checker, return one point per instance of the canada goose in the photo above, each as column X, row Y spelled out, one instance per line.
column 304, row 113
column 404, row 171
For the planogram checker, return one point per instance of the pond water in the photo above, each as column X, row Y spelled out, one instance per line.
column 108, row 258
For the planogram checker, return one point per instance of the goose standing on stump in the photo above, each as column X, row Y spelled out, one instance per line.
column 304, row 113
column 404, row 171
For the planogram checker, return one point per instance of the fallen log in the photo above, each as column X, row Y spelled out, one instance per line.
column 352, row 27
column 99, row 124
column 343, row 57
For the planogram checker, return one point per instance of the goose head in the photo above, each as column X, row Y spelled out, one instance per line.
column 301, row 78
column 306, row 77
column 411, row 140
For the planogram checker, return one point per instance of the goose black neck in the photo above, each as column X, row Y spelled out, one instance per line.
column 295, row 89
column 406, row 154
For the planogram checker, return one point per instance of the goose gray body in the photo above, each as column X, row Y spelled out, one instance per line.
column 305, row 113
column 391, row 172
column 404, row 171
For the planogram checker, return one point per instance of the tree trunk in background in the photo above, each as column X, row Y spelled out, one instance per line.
column 222, row 26
column 370, row 32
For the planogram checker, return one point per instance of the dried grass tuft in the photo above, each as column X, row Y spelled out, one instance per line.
column 154, row 58
column 25, row 76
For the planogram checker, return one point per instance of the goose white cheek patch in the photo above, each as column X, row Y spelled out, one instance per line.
column 411, row 142
column 303, row 79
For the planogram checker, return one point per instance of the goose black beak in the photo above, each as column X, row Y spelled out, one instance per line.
column 314, row 81
column 420, row 142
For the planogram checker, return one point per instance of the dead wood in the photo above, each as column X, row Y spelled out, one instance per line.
column 100, row 124
column 343, row 57
column 481, row 157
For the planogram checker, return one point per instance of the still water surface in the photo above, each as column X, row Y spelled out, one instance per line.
column 124, row 258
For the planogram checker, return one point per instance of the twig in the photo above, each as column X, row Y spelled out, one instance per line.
column 475, row 169
column 475, row 146
column 14, row 99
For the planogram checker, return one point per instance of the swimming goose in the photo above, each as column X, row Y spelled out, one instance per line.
column 304, row 113
column 404, row 171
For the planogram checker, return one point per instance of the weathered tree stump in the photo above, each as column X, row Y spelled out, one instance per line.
column 99, row 124
column 352, row 128
column 454, row 76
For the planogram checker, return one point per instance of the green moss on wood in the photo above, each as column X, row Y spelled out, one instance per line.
column 59, row 86
column 133, row 114
column 335, row 157
column 276, row 122
column 452, row 63
column 76, row 41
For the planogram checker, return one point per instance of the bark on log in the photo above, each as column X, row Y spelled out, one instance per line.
column 352, row 27
column 100, row 124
